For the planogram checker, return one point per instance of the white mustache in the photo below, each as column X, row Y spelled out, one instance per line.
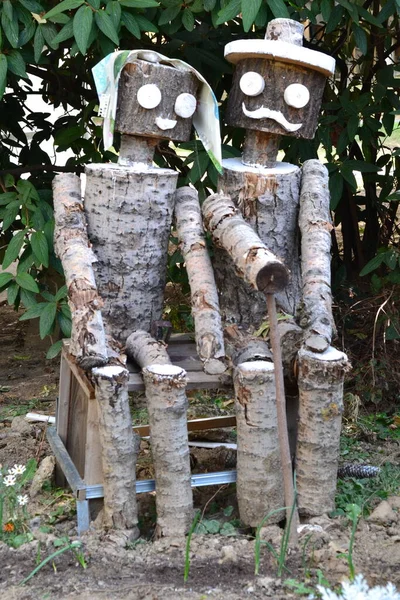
column 165, row 123
column 276, row 115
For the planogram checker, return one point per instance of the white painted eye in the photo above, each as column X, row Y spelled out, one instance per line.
column 251, row 83
column 149, row 96
column 185, row 105
column 296, row 95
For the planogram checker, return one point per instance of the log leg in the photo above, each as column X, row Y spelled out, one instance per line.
column 320, row 378
column 119, row 450
column 259, row 473
column 167, row 404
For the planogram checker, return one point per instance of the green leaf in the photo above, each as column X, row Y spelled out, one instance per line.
column 392, row 333
column 336, row 189
column 82, row 25
column 49, row 32
column 334, row 19
column 27, row 298
column 8, row 9
column 33, row 311
column 113, row 9
column 212, row 525
column 351, row 8
column 229, row 12
column 26, row 34
column 65, row 324
column 145, row 24
column 62, row 6
column 47, row 318
column 54, row 350
column 139, row 3
column 360, row 38
column 12, row 293
column 40, row 248
column 131, row 24
column 373, row 264
column 360, row 165
column 278, row 9
column 7, row 197
column 250, row 9
column 65, row 33
column 105, row 25
column 65, row 137
column 3, row 74
column 200, row 164
column 10, row 28
column 352, row 127
column 38, row 43
column 169, row 14
column 188, row 20
column 16, row 63
column 326, row 10
column 11, row 214
column 13, row 249
column 5, row 278
column 32, row 6
column 27, row 282
column 94, row 3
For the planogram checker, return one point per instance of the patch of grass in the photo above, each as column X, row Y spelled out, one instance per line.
column 10, row 411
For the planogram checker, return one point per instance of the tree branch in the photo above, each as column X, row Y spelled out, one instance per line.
column 34, row 168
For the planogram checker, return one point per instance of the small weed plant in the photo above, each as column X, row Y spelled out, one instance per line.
column 14, row 516
column 353, row 512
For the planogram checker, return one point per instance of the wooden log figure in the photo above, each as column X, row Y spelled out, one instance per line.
column 119, row 281
column 277, row 90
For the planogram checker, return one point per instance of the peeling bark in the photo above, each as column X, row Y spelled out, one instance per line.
column 320, row 377
column 204, row 296
column 167, row 404
column 145, row 350
column 315, row 226
column 259, row 473
column 119, row 449
column 269, row 201
column 254, row 262
column 88, row 342
column 129, row 217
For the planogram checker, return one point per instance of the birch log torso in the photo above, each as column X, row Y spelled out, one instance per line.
column 269, row 200
column 129, row 216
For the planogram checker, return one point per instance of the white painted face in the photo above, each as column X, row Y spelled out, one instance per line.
column 296, row 95
column 149, row 97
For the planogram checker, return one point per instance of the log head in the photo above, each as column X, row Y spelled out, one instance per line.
column 278, row 85
column 156, row 101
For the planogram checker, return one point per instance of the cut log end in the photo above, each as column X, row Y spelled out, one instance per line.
column 272, row 278
column 214, row 366
column 110, row 372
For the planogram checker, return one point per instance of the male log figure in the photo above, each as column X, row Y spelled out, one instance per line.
column 277, row 90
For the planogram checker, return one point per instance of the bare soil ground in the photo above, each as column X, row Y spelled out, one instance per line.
column 222, row 566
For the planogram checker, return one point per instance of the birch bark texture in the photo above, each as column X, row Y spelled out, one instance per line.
column 269, row 201
column 88, row 341
column 119, row 448
column 145, row 350
column 320, row 378
column 259, row 475
column 253, row 260
column 167, row 405
column 316, row 226
column 204, row 296
column 129, row 214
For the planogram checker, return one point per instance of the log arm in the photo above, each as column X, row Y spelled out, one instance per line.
column 88, row 341
column 204, row 296
column 253, row 261
column 315, row 226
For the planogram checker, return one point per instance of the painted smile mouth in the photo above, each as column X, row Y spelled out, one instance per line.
column 276, row 115
column 165, row 123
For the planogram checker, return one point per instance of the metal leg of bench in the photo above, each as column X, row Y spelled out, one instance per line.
column 82, row 515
